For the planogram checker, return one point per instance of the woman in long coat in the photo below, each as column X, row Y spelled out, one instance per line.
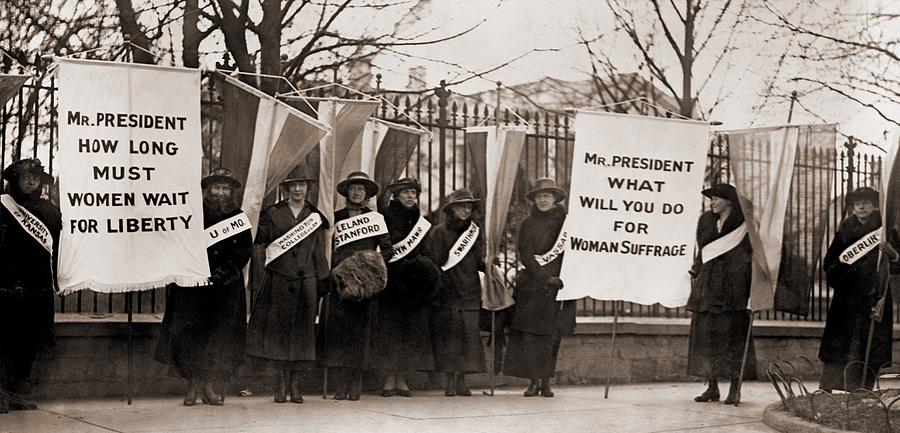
column 283, row 316
column 26, row 279
column 857, row 289
column 401, row 341
column 203, row 332
column 455, row 310
column 347, row 331
column 539, row 320
column 718, row 301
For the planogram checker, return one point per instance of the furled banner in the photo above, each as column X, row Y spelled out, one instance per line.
column 784, row 199
column 633, row 208
column 10, row 85
column 890, row 187
column 129, row 177
column 495, row 152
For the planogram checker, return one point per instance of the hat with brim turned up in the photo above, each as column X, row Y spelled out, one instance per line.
column 221, row 175
column 547, row 184
column 22, row 166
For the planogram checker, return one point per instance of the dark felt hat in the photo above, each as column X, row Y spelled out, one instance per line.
column 360, row 178
column 862, row 193
column 221, row 175
column 405, row 183
column 722, row 190
column 546, row 184
column 462, row 195
column 298, row 174
column 32, row 165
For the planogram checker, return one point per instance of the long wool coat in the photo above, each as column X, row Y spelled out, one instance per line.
column 282, row 322
column 203, row 332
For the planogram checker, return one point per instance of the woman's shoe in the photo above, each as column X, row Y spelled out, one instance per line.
column 212, row 397
column 280, row 387
column 355, row 386
column 190, row 397
column 545, row 388
column 403, row 392
column 734, row 393
column 4, row 402
column 386, row 392
column 708, row 395
column 532, row 389
column 450, row 390
column 296, row 394
column 461, row 389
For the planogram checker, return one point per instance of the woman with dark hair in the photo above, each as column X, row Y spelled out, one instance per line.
column 29, row 234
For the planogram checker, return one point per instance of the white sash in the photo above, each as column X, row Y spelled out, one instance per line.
column 558, row 247
column 293, row 237
column 227, row 228
column 359, row 227
column 463, row 245
column 724, row 244
column 32, row 225
column 861, row 247
column 412, row 240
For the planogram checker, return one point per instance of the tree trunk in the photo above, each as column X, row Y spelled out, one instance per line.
column 270, row 45
column 234, row 28
column 190, row 44
column 128, row 23
column 687, row 62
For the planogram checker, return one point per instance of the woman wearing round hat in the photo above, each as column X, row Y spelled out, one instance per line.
column 457, row 246
column 718, row 301
column 203, row 332
column 358, row 273
column 27, row 260
column 539, row 320
column 855, row 281
column 283, row 316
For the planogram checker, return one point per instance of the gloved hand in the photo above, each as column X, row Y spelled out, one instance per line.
column 555, row 283
column 323, row 286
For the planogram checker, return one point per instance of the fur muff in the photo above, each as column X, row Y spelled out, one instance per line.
column 360, row 276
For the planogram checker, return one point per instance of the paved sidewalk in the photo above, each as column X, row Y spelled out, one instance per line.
column 658, row 407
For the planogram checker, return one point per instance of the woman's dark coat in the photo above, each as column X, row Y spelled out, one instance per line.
column 203, row 332
column 856, row 291
column 283, row 316
column 347, row 332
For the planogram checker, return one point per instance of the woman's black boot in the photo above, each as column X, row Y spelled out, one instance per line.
column 734, row 392
column 450, row 390
column 711, row 393
column 532, row 388
column 545, row 387
column 280, row 386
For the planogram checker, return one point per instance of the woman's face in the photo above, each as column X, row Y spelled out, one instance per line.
column 862, row 209
column 719, row 204
column 28, row 182
column 462, row 211
column 408, row 197
column 220, row 191
column 356, row 193
column 297, row 191
column 544, row 201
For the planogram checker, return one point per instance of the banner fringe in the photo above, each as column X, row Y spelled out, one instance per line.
column 133, row 287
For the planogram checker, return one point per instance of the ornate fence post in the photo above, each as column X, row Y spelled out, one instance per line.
column 851, row 166
column 443, row 97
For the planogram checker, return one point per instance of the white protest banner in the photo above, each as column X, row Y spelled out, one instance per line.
column 633, row 208
column 129, row 177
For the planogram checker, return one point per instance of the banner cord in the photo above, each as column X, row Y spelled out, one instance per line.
column 641, row 99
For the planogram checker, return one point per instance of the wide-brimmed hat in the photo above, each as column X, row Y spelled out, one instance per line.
column 862, row 193
column 722, row 190
column 405, row 183
column 546, row 184
column 220, row 175
column 360, row 178
column 462, row 195
column 298, row 174
column 32, row 165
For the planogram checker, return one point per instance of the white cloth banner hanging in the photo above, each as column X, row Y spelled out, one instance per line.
column 129, row 177
column 633, row 207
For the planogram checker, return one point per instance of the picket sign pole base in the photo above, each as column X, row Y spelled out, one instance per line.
column 612, row 348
